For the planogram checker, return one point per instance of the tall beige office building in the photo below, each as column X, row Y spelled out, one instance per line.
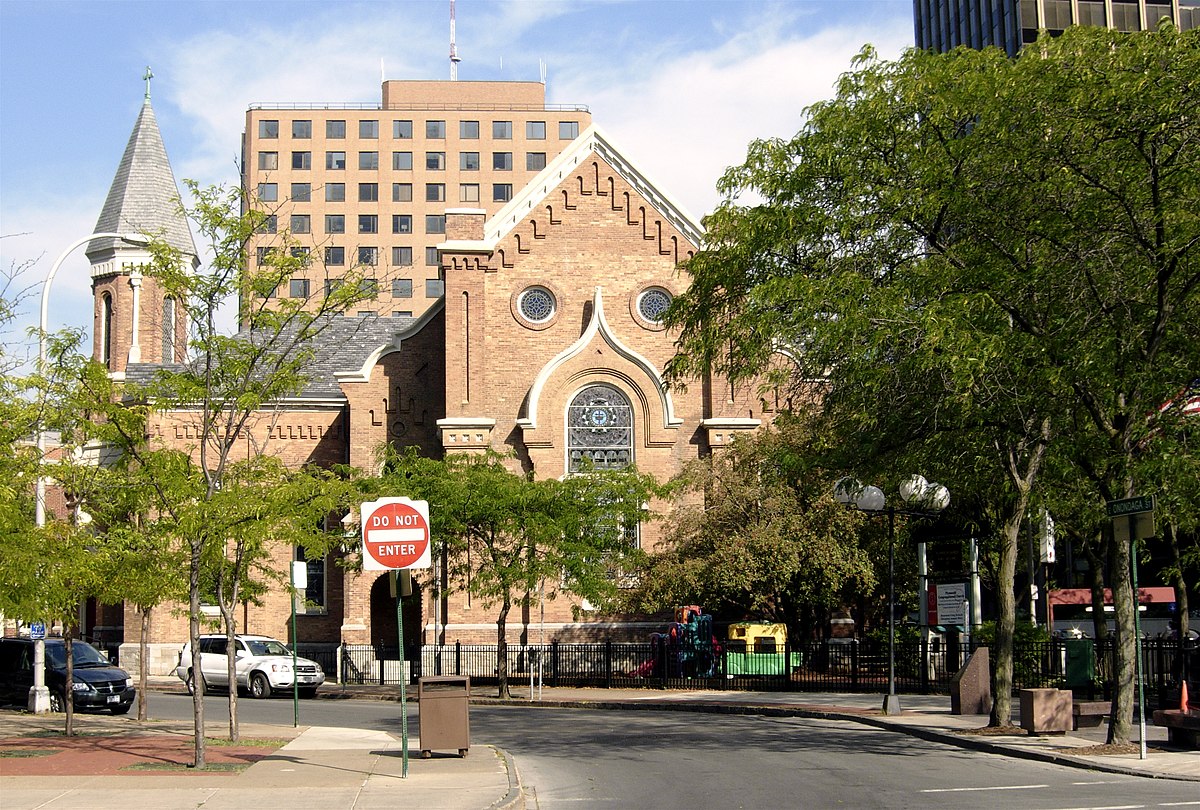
column 368, row 187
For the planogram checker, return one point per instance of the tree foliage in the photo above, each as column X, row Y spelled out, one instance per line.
column 508, row 538
column 991, row 261
column 756, row 533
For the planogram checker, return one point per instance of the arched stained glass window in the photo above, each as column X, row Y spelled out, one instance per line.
column 600, row 428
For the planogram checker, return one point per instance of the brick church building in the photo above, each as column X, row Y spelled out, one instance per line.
column 530, row 298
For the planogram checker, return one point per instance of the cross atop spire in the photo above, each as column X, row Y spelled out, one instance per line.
column 147, row 77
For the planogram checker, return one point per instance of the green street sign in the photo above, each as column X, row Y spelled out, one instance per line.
column 1130, row 506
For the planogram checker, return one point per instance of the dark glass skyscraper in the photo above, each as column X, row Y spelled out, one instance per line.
column 942, row 25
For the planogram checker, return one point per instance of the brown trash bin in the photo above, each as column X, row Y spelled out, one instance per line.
column 443, row 711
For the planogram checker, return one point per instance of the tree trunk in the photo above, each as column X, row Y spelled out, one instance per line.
column 229, row 614
column 502, row 649
column 194, row 640
column 1002, row 685
column 1182, row 625
column 1096, row 583
column 1120, row 725
column 143, row 650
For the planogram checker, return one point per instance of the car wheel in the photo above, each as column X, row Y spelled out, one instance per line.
column 190, row 683
column 57, row 701
column 260, row 687
column 122, row 709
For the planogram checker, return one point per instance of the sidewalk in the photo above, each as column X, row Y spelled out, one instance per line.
column 116, row 762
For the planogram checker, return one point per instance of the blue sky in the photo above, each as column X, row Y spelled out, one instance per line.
column 681, row 86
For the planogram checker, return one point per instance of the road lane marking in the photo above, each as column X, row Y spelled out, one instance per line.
column 977, row 789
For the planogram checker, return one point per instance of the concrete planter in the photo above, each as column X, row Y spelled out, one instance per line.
column 1046, row 711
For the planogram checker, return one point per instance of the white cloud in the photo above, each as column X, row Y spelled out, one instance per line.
column 27, row 232
column 685, row 120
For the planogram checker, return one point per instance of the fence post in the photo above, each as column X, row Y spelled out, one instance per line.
column 854, row 663
column 554, row 663
column 458, row 658
column 787, row 663
column 924, row 663
column 608, row 664
column 660, row 655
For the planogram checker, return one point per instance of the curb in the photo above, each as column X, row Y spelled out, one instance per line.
column 514, row 799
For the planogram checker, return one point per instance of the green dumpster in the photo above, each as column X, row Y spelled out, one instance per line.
column 1080, row 669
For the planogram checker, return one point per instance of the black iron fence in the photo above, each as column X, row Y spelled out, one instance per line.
column 839, row 665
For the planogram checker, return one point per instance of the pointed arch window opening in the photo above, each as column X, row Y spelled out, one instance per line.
column 600, row 429
column 106, row 329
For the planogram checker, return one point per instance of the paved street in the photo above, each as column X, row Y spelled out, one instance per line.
column 578, row 758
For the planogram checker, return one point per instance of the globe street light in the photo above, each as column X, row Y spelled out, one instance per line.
column 914, row 490
column 39, row 695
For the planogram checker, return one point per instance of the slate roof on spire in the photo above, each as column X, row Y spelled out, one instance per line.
column 144, row 197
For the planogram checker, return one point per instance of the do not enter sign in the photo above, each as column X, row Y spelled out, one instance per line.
column 395, row 534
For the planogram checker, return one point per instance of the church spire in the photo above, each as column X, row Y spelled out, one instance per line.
column 144, row 197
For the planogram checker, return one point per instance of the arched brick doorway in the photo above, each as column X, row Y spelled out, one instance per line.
column 383, row 632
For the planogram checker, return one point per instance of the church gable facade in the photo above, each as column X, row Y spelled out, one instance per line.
column 546, row 345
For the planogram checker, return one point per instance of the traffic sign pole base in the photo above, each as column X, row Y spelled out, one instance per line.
column 891, row 704
column 39, row 699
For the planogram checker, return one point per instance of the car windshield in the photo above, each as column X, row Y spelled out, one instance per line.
column 260, row 646
column 83, row 653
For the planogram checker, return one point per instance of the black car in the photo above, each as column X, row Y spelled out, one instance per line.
column 97, row 685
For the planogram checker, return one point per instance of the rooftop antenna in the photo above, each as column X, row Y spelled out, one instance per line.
column 542, row 69
column 454, row 60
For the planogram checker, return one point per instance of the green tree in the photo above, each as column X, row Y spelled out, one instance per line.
column 990, row 261
column 505, row 534
column 18, row 418
column 224, row 499
column 755, row 532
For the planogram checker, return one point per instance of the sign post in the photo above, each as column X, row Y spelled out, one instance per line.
column 396, row 537
column 39, row 694
column 1139, row 522
column 299, row 586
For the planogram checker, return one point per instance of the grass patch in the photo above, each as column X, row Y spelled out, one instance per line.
column 58, row 732
column 27, row 753
column 265, row 742
column 175, row 767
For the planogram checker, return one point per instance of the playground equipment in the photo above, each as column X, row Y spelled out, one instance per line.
column 758, row 648
column 687, row 649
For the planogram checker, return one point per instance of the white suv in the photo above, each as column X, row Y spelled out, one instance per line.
column 262, row 665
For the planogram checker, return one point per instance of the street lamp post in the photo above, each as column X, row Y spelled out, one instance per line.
column 914, row 490
column 39, row 695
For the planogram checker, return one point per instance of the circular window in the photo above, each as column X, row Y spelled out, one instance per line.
column 653, row 303
column 536, row 304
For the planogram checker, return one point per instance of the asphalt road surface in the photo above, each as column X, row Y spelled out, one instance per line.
column 571, row 758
